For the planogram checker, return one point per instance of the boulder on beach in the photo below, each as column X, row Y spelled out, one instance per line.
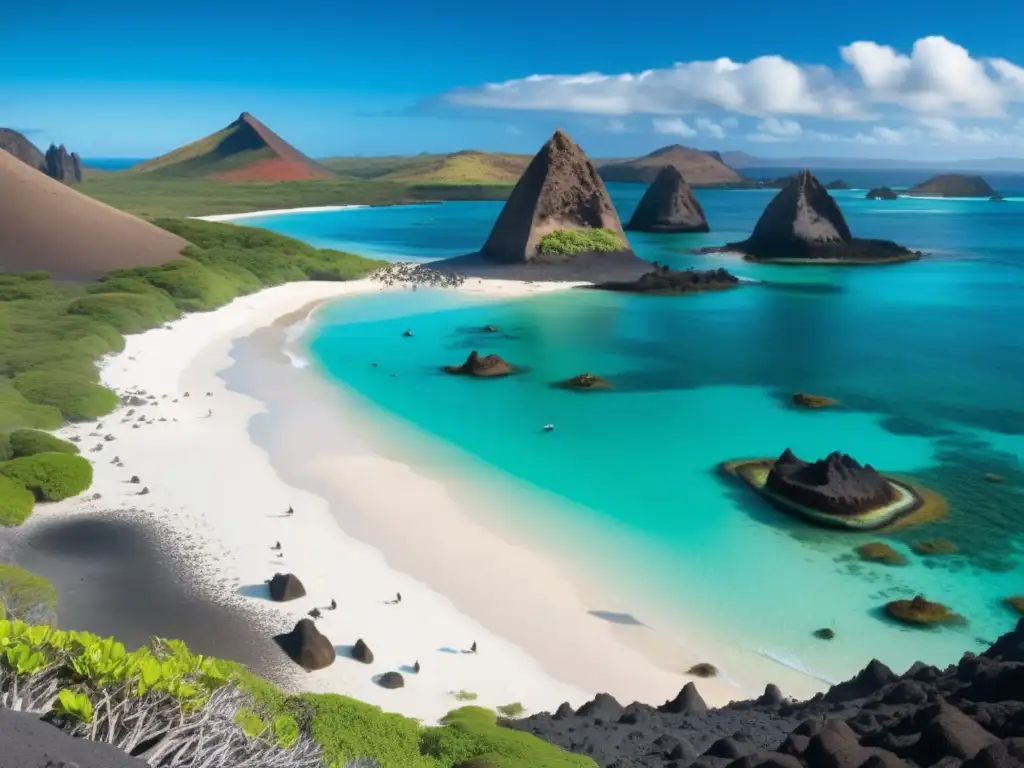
column 559, row 192
column 953, row 185
column 669, row 206
column 921, row 612
column 837, row 484
column 482, row 367
column 361, row 652
column 306, row 646
column 391, row 680
column 585, row 382
column 665, row 281
column 813, row 401
column 285, row 587
column 881, row 193
column 804, row 225
column 703, row 669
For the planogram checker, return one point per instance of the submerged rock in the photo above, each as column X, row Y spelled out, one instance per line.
column 669, row 206
column 813, row 401
column 954, row 185
column 836, row 485
column 482, row 367
column 921, row 612
column 825, row 633
column 880, row 552
column 803, row 224
column 931, row 547
column 560, row 190
column 663, row 280
column 285, row 587
column 306, row 646
column 585, row 382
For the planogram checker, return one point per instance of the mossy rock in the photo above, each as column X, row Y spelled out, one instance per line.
column 703, row 670
column 50, row 476
column 920, row 612
column 880, row 552
column 29, row 442
column 932, row 547
column 813, row 401
column 16, row 501
column 1016, row 603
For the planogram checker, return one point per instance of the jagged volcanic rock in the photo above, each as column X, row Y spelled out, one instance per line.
column 560, row 190
column 837, row 484
column 970, row 715
column 286, row 586
column 64, row 167
column 803, row 223
column 483, row 367
column 669, row 205
column 306, row 646
column 667, row 281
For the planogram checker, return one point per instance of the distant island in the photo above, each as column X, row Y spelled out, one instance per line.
column 700, row 169
column 954, row 185
column 881, row 193
column 803, row 224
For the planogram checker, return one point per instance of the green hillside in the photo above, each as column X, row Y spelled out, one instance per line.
column 468, row 167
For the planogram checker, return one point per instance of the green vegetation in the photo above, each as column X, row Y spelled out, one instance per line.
column 515, row 709
column 29, row 442
column 50, row 476
column 569, row 242
column 22, row 592
column 97, row 689
column 16, row 502
column 465, row 696
column 468, row 167
column 151, row 195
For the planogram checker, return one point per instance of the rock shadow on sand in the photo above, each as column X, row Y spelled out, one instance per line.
column 614, row 617
column 255, row 591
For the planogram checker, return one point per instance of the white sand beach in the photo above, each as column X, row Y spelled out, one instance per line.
column 537, row 643
column 229, row 217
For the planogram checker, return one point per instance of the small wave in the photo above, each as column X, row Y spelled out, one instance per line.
column 791, row 662
column 297, row 360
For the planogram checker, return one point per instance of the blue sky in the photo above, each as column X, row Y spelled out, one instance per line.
column 926, row 80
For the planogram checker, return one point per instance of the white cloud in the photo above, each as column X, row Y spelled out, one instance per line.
column 711, row 128
column 674, row 126
column 936, row 78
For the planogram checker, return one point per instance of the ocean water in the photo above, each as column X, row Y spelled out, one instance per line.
column 927, row 359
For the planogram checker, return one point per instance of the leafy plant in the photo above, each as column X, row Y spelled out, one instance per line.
column 28, row 442
column 16, row 501
column 74, row 705
column 50, row 476
column 570, row 242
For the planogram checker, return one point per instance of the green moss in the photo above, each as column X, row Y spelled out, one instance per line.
column 16, row 501
column 21, row 591
column 569, row 242
column 28, row 442
column 515, row 709
column 50, row 476
column 466, row 696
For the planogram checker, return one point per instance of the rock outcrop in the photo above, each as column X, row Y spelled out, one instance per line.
column 481, row 367
column 62, row 166
column 970, row 715
column 285, row 587
column 585, row 382
column 954, row 185
column 881, row 193
column 306, row 646
column 836, row 485
column 361, row 652
column 663, row 280
column 920, row 612
column 803, row 224
column 668, row 206
column 20, row 147
column 391, row 680
column 813, row 401
column 560, row 190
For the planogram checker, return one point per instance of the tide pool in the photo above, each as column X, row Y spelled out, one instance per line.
column 927, row 359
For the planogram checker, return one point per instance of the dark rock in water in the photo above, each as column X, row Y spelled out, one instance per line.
column 663, row 280
column 391, row 680
column 491, row 365
column 803, row 224
column 584, row 382
column 837, row 484
column 997, row 198
column 65, row 168
column 921, row 612
column 361, row 652
column 688, row 701
column 669, row 206
column 490, row 329
column 880, row 552
column 1016, row 603
column 953, row 185
column 27, row 741
column 813, row 401
column 306, row 646
column 881, row 193
column 824, row 633
column 286, row 586
column 560, row 190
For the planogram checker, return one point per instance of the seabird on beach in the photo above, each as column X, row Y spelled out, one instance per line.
column 472, row 648
column 290, row 511
column 315, row 613
column 334, row 604
column 280, row 554
column 277, row 546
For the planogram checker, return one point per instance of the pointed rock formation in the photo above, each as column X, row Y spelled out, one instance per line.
column 803, row 225
column 837, row 484
column 688, row 702
column 481, row 367
column 361, row 652
column 286, row 586
column 669, row 206
column 65, row 168
column 559, row 191
column 306, row 646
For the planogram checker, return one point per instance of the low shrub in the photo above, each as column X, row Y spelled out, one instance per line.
column 191, row 286
column 50, row 476
column 28, row 442
column 569, row 242
column 515, row 709
column 16, row 411
column 77, row 399
column 16, row 501
column 127, row 312
column 23, row 594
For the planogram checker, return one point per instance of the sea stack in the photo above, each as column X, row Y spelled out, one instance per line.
column 803, row 225
column 559, row 192
column 669, row 206
column 837, row 484
column 62, row 166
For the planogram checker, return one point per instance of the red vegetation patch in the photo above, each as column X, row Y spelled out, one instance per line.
column 275, row 169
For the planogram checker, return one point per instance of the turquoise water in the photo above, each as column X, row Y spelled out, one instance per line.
column 927, row 359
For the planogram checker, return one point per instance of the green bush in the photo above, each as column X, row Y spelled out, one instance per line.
column 127, row 312
column 569, row 242
column 22, row 591
column 28, row 442
column 16, row 411
column 50, row 476
column 191, row 286
column 77, row 399
column 16, row 501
